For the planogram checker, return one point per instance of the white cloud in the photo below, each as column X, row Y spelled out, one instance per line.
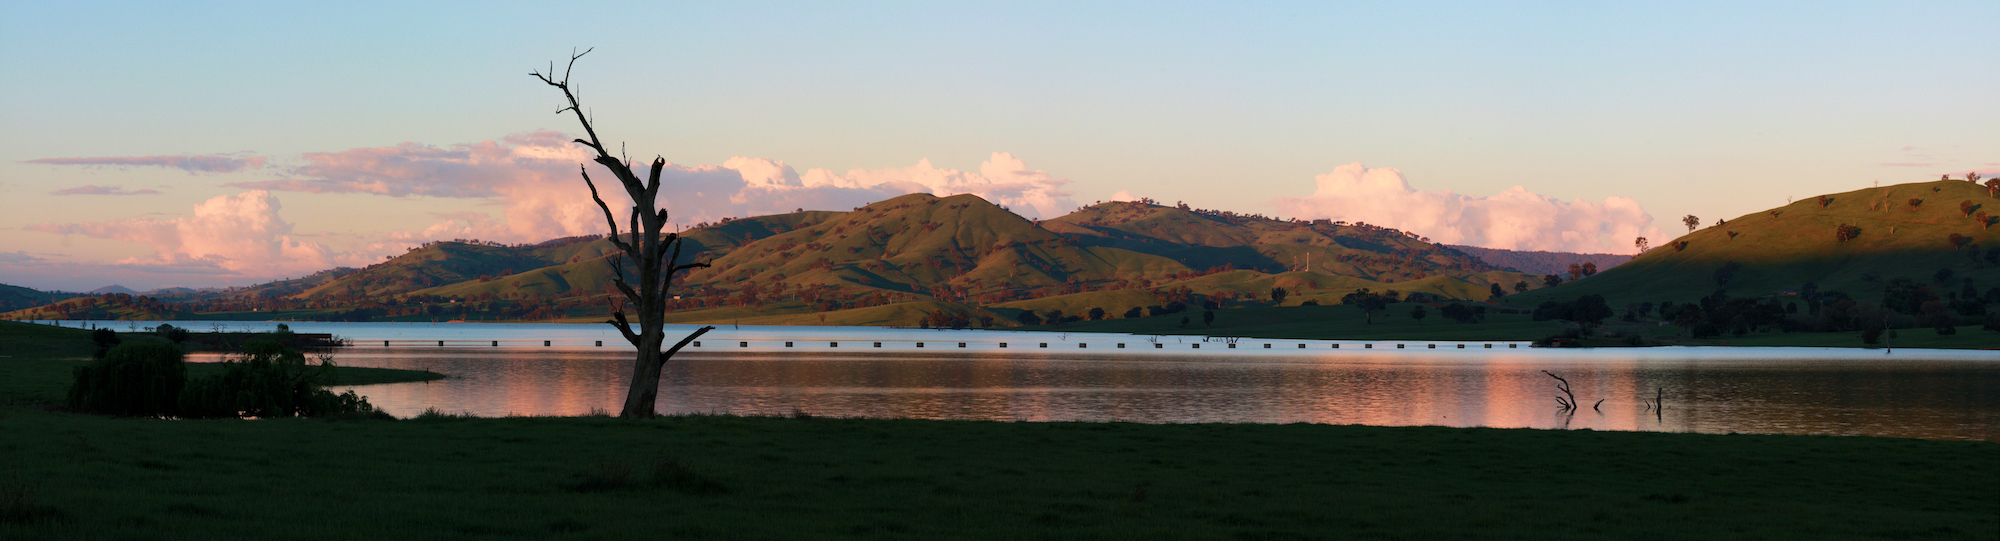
column 1515, row 219
column 240, row 234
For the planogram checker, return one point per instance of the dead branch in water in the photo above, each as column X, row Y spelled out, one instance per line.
column 1568, row 404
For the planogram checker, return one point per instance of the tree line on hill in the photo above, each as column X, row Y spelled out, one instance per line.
column 1943, row 303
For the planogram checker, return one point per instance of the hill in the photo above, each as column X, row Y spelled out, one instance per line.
column 955, row 259
column 1538, row 262
column 17, row 297
column 1877, row 247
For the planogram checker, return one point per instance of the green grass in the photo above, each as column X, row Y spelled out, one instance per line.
column 70, row 476
column 772, row 478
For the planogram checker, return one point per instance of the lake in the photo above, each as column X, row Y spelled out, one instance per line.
column 841, row 371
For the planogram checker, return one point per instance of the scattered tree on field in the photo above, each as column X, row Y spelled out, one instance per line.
column 1278, row 295
column 655, row 252
column 1725, row 273
column 1640, row 243
column 1552, row 280
column 1417, row 313
column 1914, row 202
column 1207, row 318
column 1958, row 241
column 1967, row 208
column 1691, row 221
column 1825, row 200
column 1846, row 232
column 1369, row 302
column 1521, row 286
column 1496, row 291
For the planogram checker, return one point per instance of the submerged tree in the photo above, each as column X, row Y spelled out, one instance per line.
column 655, row 252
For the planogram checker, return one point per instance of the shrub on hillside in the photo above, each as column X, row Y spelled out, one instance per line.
column 131, row 379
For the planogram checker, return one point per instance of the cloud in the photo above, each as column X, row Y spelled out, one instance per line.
column 209, row 163
column 93, row 189
column 240, row 234
column 1908, row 164
column 1124, row 195
column 534, row 178
column 18, row 257
column 1515, row 219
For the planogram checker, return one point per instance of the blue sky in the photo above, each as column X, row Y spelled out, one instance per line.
column 1624, row 116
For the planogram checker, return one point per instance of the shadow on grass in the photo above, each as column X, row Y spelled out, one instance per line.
column 663, row 471
column 19, row 506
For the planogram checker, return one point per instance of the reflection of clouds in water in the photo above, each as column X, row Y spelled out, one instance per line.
column 1944, row 399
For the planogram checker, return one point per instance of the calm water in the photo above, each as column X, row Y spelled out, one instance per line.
column 1910, row 393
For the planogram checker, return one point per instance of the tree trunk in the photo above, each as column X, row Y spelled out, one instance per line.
column 656, row 255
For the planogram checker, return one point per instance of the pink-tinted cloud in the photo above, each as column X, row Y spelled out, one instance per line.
column 92, row 189
column 534, row 178
column 209, row 163
column 1515, row 219
column 240, row 234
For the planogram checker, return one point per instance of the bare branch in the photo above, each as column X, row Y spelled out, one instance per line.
column 669, row 353
column 613, row 222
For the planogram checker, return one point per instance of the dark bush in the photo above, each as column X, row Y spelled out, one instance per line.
column 105, row 338
column 131, row 379
column 1707, row 330
column 171, row 333
column 1872, row 334
column 269, row 380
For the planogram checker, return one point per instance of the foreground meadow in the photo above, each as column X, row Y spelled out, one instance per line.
column 73, row 476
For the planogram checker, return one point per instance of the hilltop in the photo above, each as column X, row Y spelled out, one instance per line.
column 1908, row 256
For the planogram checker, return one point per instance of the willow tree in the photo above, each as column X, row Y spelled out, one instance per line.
column 654, row 252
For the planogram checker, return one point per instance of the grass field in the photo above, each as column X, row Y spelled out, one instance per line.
column 70, row 476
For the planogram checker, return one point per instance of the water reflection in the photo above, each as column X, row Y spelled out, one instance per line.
column 1955, row 397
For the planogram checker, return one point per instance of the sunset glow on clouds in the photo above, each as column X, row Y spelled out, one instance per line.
column 535, row 178
column 93, row 189
column 238, row 234
column 1515, row 219
column 211, row 163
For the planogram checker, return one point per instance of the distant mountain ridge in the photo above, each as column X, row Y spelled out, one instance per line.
column 1539, row 262
column 961, row 254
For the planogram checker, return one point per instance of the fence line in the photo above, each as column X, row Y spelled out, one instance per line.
column 969, row 344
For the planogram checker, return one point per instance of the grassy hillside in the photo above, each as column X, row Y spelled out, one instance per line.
column 1781, row 249
column 1539, row 262
column 17, row 297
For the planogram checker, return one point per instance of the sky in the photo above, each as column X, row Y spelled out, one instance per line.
column 225, row 144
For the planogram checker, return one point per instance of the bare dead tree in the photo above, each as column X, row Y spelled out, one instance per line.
column 655, row 252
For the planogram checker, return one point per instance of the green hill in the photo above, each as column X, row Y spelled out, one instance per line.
column 17, row 297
